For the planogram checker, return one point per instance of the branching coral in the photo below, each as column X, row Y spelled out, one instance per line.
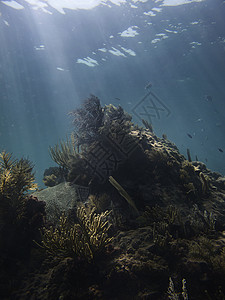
column 103, row 134
column 16, row 179
column 65, row 241
column 203, row 249
column 54, row 176
column 84, row 240
column 50, row 180
column 116, row 120
column 202, row 221
column 172, row 295
column 64, row 152
column 87, row 120
column 20, row 215
column 72, row 159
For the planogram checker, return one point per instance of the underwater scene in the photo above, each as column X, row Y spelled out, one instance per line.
column 112, row 149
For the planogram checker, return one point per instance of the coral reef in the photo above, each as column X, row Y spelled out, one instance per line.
column 167, row 217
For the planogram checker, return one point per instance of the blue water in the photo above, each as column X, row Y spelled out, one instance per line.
column 50, row 60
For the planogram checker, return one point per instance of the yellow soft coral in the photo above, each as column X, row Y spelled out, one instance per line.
column 85, row 239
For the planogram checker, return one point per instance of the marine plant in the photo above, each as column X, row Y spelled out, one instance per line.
column 16, row 179
column 16, row 176
column 54, row 176
column 202, row 221
column 50, row 180
column 203, row 249
column 85, row 239
column 96, row 130
column 116, row 120
column 100, row 202
column 87, row 120
column 173, row 295
column 151, row 215
column 156, row 214
column 20, row 213
column 64, row 152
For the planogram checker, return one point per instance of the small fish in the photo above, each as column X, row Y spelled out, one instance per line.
column 189, row 135
column 199, row 120
column 117, row 98
column 220, row 149
column 208, row 98
column 148, row 86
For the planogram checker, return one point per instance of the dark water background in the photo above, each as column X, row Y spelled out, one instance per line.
column 41, row 81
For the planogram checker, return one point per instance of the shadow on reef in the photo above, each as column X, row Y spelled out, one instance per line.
column 127, row 217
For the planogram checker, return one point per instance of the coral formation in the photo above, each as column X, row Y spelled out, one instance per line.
column 177, row 230
column 172, row 295
column 16, row 179
column 87, row 120
column 21, row 215
column 63, row 152
column 54, row 176
column 86, row 239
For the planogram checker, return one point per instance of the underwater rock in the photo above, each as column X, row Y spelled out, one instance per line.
column 60, row 198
